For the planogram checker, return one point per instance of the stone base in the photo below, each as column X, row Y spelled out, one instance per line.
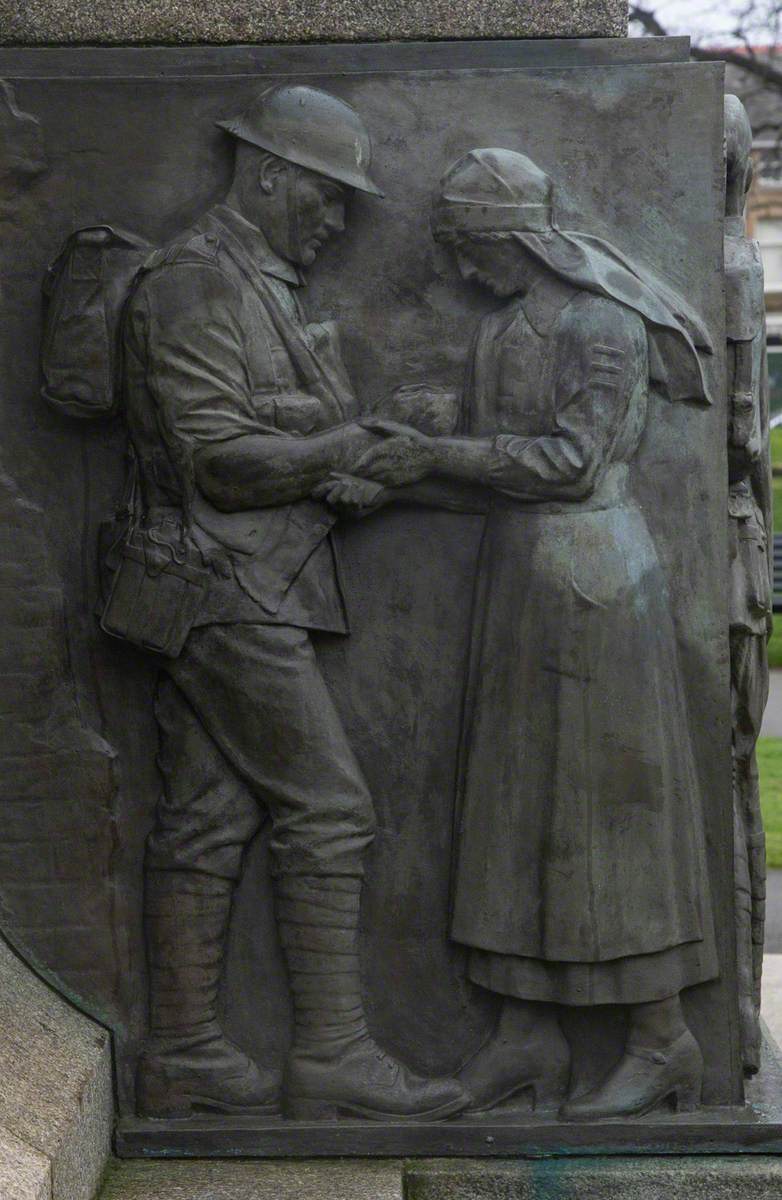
column 56, row 1103
column 718, row 1178
column 653, row 1178
column 754, row 1128
column 182, row 21
column 203, row 1180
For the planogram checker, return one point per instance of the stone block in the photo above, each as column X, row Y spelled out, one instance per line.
column 25, row 1173
column 686, row 1178
column 56, row 1102
column 202, row 1180
column 183, row 21
column 772, row 994
column 689, row 1178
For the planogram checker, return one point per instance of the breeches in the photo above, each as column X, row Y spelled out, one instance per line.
column 247, row 729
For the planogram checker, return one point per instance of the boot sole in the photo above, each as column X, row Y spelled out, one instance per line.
column 303, row 1108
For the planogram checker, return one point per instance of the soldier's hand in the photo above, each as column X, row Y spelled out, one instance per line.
column 405, row 457
column 351, row 496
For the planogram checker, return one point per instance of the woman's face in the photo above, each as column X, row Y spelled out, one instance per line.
column 497, row 264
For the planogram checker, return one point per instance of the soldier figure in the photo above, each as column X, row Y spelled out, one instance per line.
column 749, row 509
column 237, row 408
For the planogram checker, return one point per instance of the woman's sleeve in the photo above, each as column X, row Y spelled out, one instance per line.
column 601, row 350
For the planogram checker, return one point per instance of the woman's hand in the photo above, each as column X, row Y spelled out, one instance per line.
column 405, row 457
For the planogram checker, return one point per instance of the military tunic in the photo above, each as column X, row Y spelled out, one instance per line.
column 580, row 862
column 216, row 347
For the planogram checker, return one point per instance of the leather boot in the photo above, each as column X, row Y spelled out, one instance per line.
column 335, row 1067
column 188, row 1064
column 643, row 1078
column 527, row 1050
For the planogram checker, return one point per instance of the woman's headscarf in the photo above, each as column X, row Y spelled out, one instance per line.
column 501, row 191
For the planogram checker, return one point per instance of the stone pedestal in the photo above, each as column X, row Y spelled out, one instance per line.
column 56, row 1102
column 180, row 21
column 598, row 1179
column 663, row 1178
column 202, row 1180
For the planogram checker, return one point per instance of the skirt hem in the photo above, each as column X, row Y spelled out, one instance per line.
column 637, row 979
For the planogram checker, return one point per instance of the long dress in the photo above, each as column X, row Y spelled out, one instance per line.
column 580, row 868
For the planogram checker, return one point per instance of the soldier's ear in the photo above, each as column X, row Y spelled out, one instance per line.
column 270, row 169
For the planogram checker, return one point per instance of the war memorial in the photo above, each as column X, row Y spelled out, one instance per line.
column 385, row 582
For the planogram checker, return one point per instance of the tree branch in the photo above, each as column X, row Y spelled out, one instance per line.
column 647, row 20
column 758, row 67
column 761, row 68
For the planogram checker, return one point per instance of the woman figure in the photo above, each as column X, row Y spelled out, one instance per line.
column 580, row 874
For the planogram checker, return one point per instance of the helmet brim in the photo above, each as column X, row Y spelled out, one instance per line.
column 357, row 179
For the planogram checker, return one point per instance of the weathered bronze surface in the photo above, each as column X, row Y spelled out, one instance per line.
column 378, row 476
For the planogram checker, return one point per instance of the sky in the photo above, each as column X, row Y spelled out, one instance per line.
column 706, row 19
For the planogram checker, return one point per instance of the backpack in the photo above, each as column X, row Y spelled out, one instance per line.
column 87, row 287
column 153, row 579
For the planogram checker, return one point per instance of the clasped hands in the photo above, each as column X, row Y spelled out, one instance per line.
column 403, row 456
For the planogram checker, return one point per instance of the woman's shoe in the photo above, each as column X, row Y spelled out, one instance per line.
column 519, row 1055
column 642, row 1079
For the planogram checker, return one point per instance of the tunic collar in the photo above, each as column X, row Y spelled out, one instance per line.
column 254, row 244
column 544, row 302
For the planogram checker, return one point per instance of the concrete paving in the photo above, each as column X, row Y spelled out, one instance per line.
column 771, row 1002
column 774, row 913
column 772, row 719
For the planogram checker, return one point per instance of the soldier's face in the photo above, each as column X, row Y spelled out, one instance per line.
column 318, row 213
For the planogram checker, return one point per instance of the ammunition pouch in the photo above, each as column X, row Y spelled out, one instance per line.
column 159, row 586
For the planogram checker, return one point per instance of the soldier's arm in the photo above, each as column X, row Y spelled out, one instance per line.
column 187, row 320
column 253, row 471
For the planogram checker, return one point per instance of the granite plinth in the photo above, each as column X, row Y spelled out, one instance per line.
column 56, row 1103
column 687, row 1178
column 181, row 21
column 718, row 1178
column 254, row 1181
column 25, row 1173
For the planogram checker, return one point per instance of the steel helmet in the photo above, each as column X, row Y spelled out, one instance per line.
column 493, row 190
column 310, row 128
